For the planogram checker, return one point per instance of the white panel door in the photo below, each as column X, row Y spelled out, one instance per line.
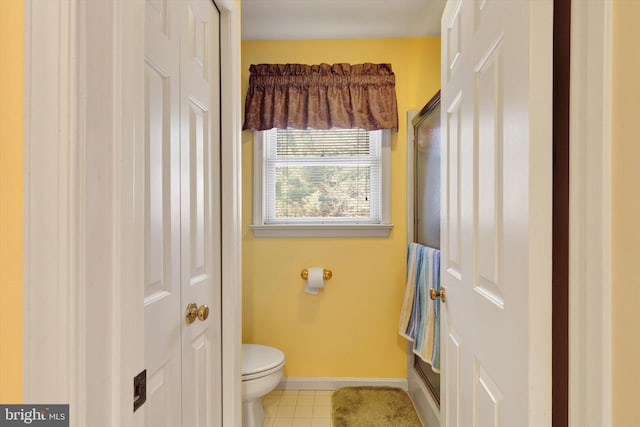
column 182, row 213
column 163, row 306
column 496, row 213
column 200, row 200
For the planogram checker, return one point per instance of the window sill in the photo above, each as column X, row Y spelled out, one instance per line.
column 322, row 230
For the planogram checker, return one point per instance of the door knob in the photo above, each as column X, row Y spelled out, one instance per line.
column 203, row 312
column 442, row 294
column 191, row 313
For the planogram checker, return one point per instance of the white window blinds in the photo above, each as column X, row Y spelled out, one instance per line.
column 322, row 176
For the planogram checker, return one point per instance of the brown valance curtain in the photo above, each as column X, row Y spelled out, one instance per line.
column 321, row 97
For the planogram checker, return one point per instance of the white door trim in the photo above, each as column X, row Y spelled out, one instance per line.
column 231, row 156
column 83, row 110
column 590, row 216
column 51, row 208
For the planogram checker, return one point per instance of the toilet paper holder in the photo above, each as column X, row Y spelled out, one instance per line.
column 326, row 274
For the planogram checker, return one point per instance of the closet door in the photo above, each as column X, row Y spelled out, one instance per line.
column 163, row 310
column 182, row 214
column 200, row 213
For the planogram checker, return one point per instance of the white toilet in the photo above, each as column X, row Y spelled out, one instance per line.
column 261, row 373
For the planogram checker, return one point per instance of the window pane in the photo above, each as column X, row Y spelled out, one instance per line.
column 327, row 175
column 322, row 191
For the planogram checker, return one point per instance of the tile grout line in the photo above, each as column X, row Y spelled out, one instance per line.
column 297, row 408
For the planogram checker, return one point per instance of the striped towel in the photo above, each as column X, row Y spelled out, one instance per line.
column 406, row 316
column 420, row 317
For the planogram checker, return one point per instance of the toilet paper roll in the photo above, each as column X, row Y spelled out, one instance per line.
column 315, row 280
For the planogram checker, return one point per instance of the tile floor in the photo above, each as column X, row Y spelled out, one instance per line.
column 297, row 408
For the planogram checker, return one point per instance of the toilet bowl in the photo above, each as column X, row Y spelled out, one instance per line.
column 261, row 373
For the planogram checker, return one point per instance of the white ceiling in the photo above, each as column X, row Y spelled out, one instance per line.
column 339, row 19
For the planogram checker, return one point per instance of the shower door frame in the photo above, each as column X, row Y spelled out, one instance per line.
column 414, row 232
column 427, row 405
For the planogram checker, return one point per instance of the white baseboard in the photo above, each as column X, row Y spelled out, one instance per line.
column 324, row 383
column 428, row 410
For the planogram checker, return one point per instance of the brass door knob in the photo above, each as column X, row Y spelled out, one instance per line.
column 203, row 312
column 191, row 313
column 442, row 294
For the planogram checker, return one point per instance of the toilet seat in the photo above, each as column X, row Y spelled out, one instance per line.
column 260, row 360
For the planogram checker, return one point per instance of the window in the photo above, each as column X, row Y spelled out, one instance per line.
column 321, row 183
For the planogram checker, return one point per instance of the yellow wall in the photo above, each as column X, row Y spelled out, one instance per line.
column 351, row 328
column 625, row 213
column 11, row 103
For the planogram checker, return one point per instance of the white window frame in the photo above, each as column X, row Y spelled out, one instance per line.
column 320, row 229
